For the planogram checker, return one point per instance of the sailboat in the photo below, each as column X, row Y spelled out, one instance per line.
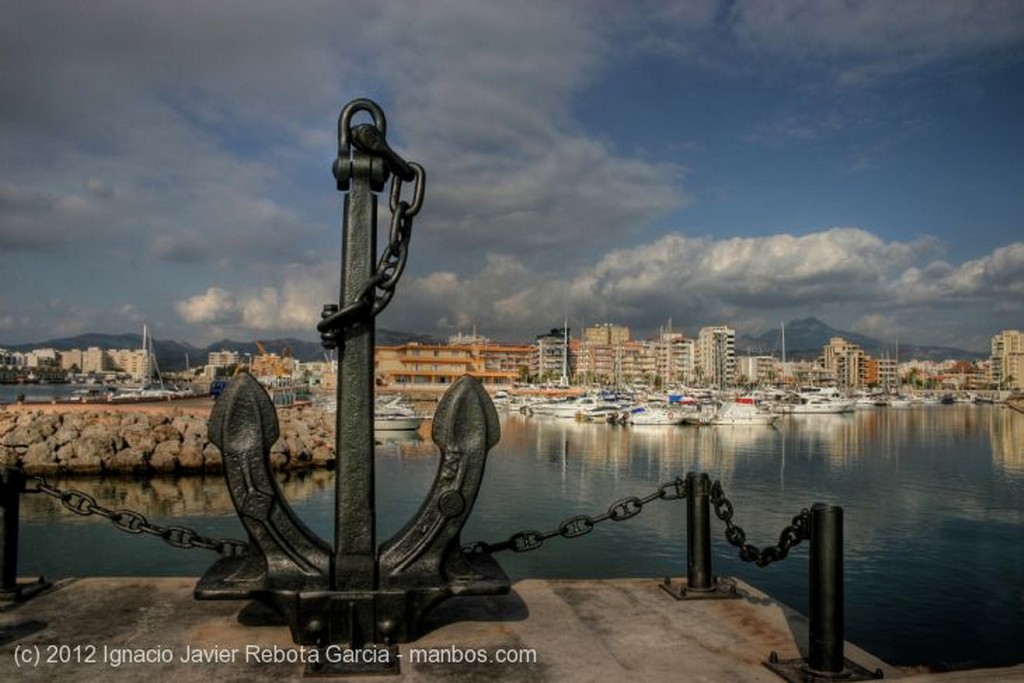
column 898, row 400
column 148, row 390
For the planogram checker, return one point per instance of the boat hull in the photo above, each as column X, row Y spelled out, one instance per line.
column 397, row 424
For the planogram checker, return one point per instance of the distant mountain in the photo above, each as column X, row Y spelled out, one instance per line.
column 807, row 336
column 172, row 355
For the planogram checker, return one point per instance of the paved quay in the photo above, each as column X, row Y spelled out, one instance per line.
column 564, row 630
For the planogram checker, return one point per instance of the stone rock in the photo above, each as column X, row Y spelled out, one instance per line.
column 39, row 456
column 129, row 460
column 23, row 435
column 88, row 455
column 165, row 456
column 190, row 458
column 66, row 434
column 140, row 438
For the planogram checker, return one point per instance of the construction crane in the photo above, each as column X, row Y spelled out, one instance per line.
column 267, row 364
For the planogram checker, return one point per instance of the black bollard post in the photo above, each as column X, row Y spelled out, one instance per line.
column 826, row 633
column 700, row 582
column 698, row 533
column 826, row 636
column 11, row 481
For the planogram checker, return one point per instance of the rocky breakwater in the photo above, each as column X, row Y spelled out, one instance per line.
column 166, row 441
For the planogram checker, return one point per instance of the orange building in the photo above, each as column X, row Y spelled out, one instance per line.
column 413, row 363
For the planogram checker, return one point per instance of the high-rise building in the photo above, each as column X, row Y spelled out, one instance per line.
column 551, row 361
column 607, row 334
column 95, row 359
column 716, row 356
column 223, row 358
column 1008, row 359
column 846, row 361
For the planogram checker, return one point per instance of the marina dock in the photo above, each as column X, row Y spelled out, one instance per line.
column 105, row 629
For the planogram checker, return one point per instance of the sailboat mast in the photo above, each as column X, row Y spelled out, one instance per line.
column 565, row 351
column 783, row 326
column 147, row 371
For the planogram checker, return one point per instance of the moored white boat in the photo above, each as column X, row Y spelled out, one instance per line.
column 650, row 415
column 740, row 411
column 395, row 415
column 819, row 401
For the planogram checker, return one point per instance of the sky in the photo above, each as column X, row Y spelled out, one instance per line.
column 641, row 163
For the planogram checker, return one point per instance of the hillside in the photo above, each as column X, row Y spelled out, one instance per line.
column 806, row 337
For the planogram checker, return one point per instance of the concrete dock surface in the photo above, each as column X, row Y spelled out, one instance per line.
column 151, row 629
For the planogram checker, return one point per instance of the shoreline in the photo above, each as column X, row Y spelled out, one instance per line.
column 146, row 438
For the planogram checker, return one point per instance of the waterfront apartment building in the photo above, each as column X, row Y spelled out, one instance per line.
column 72, row 360
column 1007, row 359
column 846, row 361
column 757, row 369
column 674, row 358
column 600, row 357
column 606, row 334
column 92, row 360
column 881, row 373
column 716, row 356
column 419, row 364
column 223, row 358
column 551, row 358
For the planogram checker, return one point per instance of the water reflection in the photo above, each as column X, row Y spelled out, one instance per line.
column 1006, row 431
column 933, row 500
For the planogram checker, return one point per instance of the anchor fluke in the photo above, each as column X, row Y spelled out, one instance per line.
column 284, row 553
column 427, row 551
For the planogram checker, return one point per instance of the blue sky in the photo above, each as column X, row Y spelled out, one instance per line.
column 708, row 162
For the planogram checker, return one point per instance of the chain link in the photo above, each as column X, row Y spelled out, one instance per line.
column 132, row 522
column 581, row 525
column 378, row 290
column 798, row 530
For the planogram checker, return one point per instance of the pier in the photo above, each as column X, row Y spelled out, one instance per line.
column 549, row 630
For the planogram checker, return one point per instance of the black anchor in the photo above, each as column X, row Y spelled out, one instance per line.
column 355, row 592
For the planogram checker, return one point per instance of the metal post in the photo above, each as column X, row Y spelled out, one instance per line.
column 698, row 533
column 11, row 481
column 700, row 581
column 825, row 660
column 826, row 585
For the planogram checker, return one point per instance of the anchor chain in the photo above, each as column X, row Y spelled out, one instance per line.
column 581, row 525
column 797, row 530
column 378, row 290
column 132, row 522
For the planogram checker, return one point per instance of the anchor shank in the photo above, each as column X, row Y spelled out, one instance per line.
column 354, row 527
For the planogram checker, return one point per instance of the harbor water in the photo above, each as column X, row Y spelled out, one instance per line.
column 933, row 500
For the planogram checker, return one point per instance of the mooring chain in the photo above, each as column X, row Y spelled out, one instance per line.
column 392, row 260
column 798, row 530
column 378, row 290
column 581, row 525
column 132, row 522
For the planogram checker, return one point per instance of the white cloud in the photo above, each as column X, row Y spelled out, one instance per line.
column 850, row 274
column 215, row 306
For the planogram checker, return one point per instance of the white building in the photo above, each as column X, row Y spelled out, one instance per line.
column 716, row 356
